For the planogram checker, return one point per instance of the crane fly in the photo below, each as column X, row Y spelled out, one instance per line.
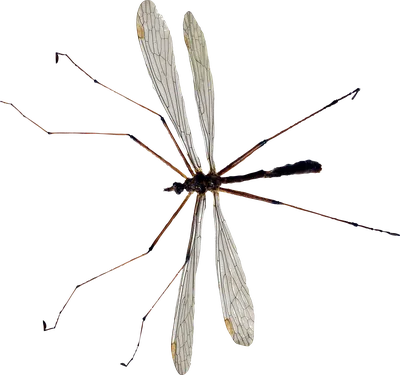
column 237, row 307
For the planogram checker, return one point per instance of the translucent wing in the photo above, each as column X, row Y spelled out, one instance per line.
column 237, row 306
column 202, row 79
column 182, row 332
column 156, row 44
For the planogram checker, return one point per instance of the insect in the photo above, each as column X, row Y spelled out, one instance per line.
column 199, row 185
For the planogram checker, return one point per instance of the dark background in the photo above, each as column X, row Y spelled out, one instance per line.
column 78, row 204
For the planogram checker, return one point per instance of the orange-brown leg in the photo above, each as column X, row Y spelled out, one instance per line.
column 47, row 328
column 252, row 150
column 102, row 133
column 262, row 198
column 154, row 112
column 163, row 292
column 106, row 133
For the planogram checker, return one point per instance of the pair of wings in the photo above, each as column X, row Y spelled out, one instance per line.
column 237, row 307
column 156, row 44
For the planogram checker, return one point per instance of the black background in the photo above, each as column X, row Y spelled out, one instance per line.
column 79, row 205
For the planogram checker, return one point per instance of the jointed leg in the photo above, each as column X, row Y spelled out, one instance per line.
column 58, row 55
column 259, row 145
column 46, row 328
column 163, row 292
column 173, row 138
column 262, row 198
column 173, row 217
column 143, row 323
column 157, row 156
column 102, row 133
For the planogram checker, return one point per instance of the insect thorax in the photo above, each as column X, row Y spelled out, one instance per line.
column 199, row 183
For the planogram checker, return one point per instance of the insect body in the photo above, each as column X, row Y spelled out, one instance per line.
column 156, row 43
column 201, row 183
column 237, row 306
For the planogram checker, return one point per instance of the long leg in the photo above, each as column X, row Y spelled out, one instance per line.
column 58, row 55
column 262, row 143
column 173, row 138
column 157, row 156
column 102, row 133
column 46, row 328
column 143, row 323
column 97, row 133
column 262, row 198
column 163, row 292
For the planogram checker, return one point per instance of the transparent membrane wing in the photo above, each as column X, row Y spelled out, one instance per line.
column 157, row 47
column 183, row 336
column 203, row 84
column 233, row 291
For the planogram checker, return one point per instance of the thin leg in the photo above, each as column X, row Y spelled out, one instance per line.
column 58, row 55
column 102, row 133
column 143, row 323
column 97, row 133
column 173, row 217
column 47, row 328
column 259, row 145
column 157, row 156
column 173, row 138
column 163, row 292
column 262, row 198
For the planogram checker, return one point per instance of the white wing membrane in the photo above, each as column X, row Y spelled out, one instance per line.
column 182, row 332
column 203, row 82
column 237, row 306
column 156, row 44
